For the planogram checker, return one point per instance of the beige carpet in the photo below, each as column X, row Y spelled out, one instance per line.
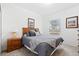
column 63, row 50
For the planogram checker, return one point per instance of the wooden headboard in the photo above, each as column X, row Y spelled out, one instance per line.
column 25, row 30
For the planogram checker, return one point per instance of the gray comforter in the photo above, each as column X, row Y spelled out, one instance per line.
column 42, row 43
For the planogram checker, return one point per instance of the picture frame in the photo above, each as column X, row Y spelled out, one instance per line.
column 72, row 22
column 31, row 23
column 54, row 27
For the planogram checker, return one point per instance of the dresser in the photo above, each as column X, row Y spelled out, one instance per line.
column 13, row 44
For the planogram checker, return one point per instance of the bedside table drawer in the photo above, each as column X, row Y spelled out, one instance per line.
column 13, row 44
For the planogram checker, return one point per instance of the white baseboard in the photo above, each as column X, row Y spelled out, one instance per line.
column 75, row 46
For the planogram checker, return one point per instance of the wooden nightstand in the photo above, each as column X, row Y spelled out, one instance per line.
column 13, row 44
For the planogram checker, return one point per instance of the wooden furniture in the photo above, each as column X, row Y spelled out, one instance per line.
column 25, row 30
column 13, row 44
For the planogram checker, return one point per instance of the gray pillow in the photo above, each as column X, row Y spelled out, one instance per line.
column 31, row 33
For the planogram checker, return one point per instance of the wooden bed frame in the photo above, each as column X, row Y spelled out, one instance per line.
column 25, row 30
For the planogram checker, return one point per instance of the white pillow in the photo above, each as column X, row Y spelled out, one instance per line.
column 37, row 33
column 25, row 35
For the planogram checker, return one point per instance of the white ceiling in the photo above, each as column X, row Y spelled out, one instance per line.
column 47, row 9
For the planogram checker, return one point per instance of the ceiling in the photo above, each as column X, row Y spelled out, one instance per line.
column 47, row 9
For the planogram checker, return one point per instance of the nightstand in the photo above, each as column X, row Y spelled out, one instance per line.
column 13, row 44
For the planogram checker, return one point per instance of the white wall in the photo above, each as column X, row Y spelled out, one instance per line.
column 15, row 18
column 45, row 25
column 69, row 35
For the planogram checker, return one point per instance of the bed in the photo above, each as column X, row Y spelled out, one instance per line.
column 42, row 45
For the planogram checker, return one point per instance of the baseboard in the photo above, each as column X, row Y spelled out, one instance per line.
column 75, row 46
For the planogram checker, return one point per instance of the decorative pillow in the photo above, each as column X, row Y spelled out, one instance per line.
column 37, row 31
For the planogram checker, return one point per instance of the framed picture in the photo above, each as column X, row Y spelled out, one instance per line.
column 54, row 27
column 72, row 22
column 31, row 23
